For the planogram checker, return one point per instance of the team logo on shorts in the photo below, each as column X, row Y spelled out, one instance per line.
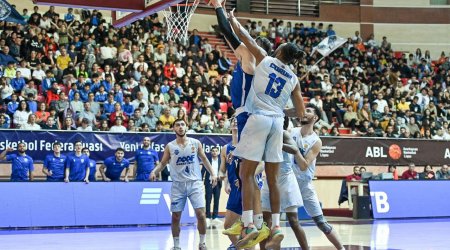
column 176, row 151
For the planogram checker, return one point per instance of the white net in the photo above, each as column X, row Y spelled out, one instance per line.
column 178, row 18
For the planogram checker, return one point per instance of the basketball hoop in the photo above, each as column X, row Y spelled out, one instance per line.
column 178, row 17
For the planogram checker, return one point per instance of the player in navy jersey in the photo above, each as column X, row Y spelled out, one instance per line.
column 183, row 155
column 21, row 164
column 146, row 159
column 77, row 166
column 114, row 166
column 92, row 165
column 54, row 164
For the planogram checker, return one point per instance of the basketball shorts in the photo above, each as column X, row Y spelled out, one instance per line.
column 142, row 177
column 310, row 199
column 290, row 195
column 181, row 191
column 241, row 120
column 261, row 139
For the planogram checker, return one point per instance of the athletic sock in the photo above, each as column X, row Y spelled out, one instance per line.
column 202, row 238
column 247, row 217
column 258, row 220
column 275, row 220
column 176, row 241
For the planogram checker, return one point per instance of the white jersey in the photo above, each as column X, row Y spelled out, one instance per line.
column 271, row 88
column 305, row 144
column 184, row 163
column 286, row 165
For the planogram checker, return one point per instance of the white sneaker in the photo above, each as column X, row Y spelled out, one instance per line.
column 202, row 246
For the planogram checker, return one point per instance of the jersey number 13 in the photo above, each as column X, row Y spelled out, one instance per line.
column 275, row 86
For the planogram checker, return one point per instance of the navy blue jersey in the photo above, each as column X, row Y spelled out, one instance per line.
column 78, row 166
column 92, row 169
column 114, row 168
column 240, row 86
column 56, row 165
column 21, row 166
column 232, row 168
column 146, row 160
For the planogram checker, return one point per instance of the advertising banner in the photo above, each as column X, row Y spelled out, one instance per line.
column 335, row 150
column 371, row 151
column 101, row 144
column 410, row 199
column 43, row 204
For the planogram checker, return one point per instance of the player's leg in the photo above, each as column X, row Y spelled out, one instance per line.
column 292, row 216
column 196, row 195
column 178, row 201
column 273, row 156
column 277, row 236
column 312, row 207
column 267, row 216
column 247, row 173
column 231, row 219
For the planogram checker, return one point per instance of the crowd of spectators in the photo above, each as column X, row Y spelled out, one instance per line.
column 62, row 73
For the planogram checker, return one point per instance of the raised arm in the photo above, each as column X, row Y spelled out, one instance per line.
column 297, row 100
column 245, row 37
column 162, row 164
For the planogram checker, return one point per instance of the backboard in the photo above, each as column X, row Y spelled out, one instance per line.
column 122, row 18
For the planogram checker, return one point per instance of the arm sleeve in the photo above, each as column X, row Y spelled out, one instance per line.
column 226, row 29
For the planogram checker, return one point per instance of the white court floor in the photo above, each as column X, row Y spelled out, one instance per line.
column 368, row 234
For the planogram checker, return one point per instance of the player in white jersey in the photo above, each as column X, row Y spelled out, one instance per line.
column 291, row 198
column 305, row 144
column 240, row 86
column 182, row 154
column 262, row 137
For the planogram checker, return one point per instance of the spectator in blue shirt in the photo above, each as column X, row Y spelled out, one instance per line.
column 127, row 107
column 114, row 166
column 101, row 96
column 5, row 57
column 330, row 31
column 108, row 106
column 77, row 167
column 69, row 16
column 54, row 164
column 18, row 83
column 146, row 159
column 32, row 103
column 84, row 93
column 13, row 104
column 21, row 164
column 92, row 165
column 48, row 81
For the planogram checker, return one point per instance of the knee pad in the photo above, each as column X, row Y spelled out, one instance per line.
column 322, row 224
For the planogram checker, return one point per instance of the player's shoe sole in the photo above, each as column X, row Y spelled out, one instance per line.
column 235, row 229
column 264, row 232
column 275, row 239
column 248, row 234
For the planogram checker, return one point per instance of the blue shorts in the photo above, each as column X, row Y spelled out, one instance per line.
column 142, row 177
column 234, row 203
column 52, row 179
column 241, row 120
